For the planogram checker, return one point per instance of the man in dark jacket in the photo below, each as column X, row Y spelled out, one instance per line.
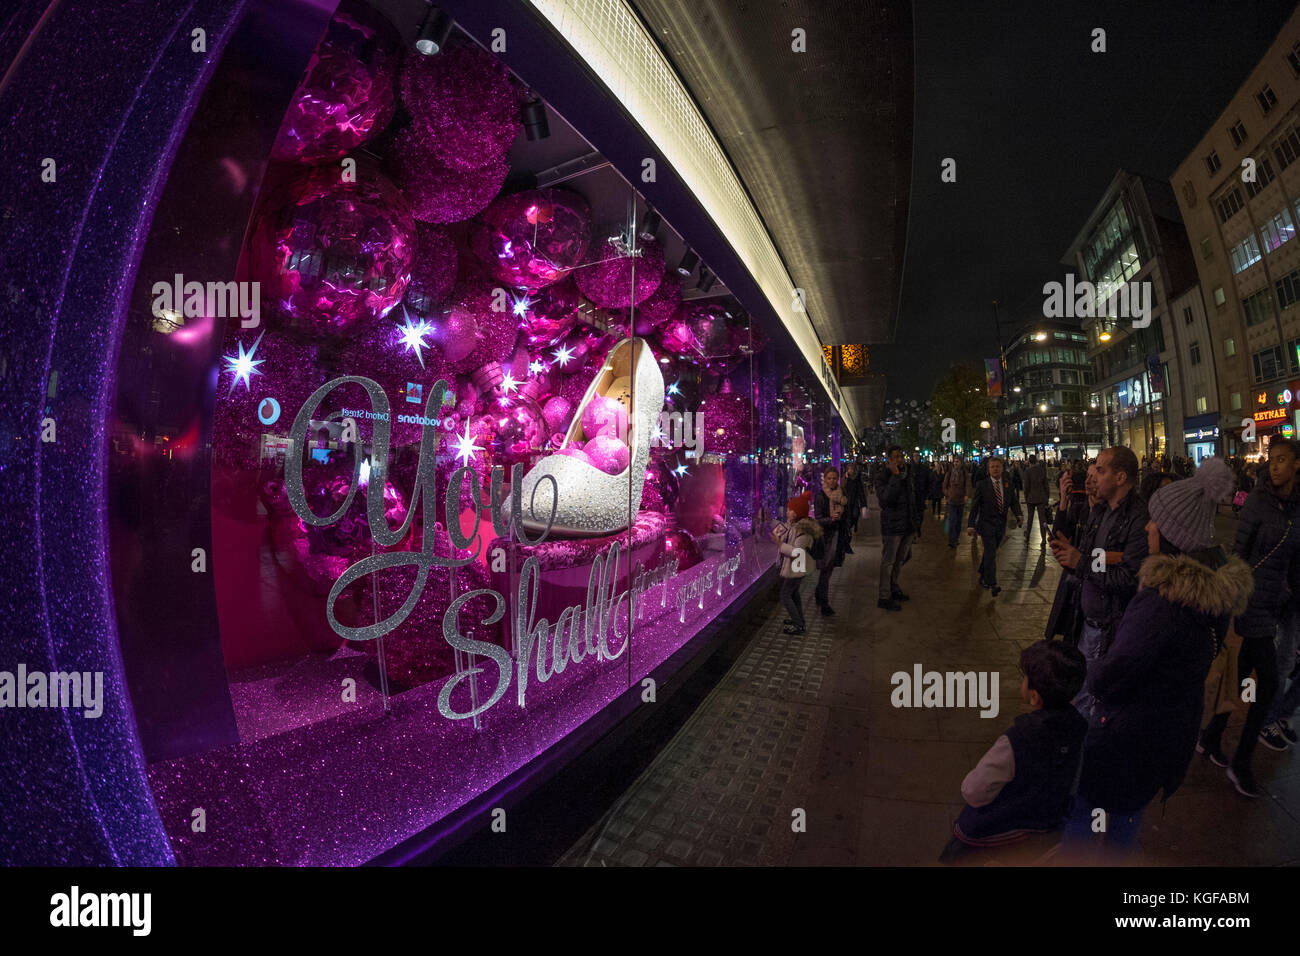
column 898, row 518
column 920, row 490
column 1267, row 540
column 1073, row 520
column 1108, row 559
column 1037, row 494
column 994, row 499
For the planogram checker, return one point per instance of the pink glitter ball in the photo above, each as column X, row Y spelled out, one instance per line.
column 558, row 412
column 617, row 281
column 660, row 307
column 473, row 320
column 607, row 453
column 433, row 270
column 465, row 101
column 604, row 416
column 346, row 97
column 531, row 239
column 440, row 193
column 330, row 254
column 728, row 413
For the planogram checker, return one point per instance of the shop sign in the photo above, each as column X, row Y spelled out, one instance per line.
column 1270, row 415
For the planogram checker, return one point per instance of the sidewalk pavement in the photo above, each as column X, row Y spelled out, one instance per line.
column 802, row 728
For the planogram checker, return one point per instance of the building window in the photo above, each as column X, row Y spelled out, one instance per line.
column 1266, row 98
column 1235, row 401
column 1229, row 348
column 1263, row 176
column 1207, row 251
column 1219, row 297
column 1268, row 364
column 1230, row 205
column 1238, row 133
column 1201, row 403
column 1287, row 149
column 1245, row 253
column 1257, row 308
column 1212, row 163
column 1195, row 351
column 1277, row 229
column 1288, row 289
column 1187, row 316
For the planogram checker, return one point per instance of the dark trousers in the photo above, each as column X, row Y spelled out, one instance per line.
column 791, row 600
column 934, row 506
column 1259, row 655
column 894, row 549
column 824, row 586
column 955, row 510
column 989, row 562
column 1044, row 519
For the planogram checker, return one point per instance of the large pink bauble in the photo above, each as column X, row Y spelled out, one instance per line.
column 604, row 416
column 558, row 412
column 607, row 453
column 618, row 281
column 680, row 545
column 727, row 418
column 552, row 313
column 517, row 432
column 661, row 306
column 440, row 193
column 347, row 95
column 330, row 254
column 710, row 326
column 473, row 332
column 464, row 100
column 326, row 488
column 575, row 386
column 433, row 268
column 531, row 239
column 677, row 339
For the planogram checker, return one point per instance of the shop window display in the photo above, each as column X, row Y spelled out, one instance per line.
column 483, row 462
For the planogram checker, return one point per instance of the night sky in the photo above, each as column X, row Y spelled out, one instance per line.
column 1039, row 125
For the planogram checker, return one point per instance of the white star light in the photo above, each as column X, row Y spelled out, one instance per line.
column 413, row 336
column 465, row 447
column 536, row 367
column 673, row 389
column 508, row 383
column 680, row 470
column 243, row 364
column 522, row 305
column 564, row 355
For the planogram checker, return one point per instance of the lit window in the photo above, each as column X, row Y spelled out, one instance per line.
column 1219, row 297
column 1236, row 401
column 1229, row 348
column 1201, row 403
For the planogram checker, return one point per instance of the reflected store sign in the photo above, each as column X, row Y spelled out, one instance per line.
column 581, row 633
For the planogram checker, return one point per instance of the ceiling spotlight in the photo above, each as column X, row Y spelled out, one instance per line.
column 533, row 117
column 434, row 32
column 688, row 263
column 706, row 281
column 1040, row 337
column 650, row 225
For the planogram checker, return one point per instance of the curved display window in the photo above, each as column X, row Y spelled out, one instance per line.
column 468, row 445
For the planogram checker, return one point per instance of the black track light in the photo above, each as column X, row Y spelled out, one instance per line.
column 706, row 281
column 434, row 32
column 688, row 263
column 533, row 116
column 650, row 225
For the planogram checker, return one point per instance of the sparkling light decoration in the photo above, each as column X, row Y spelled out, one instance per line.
column 465, row 447
column 413, row 336
column 563, row 355
column 244, row 365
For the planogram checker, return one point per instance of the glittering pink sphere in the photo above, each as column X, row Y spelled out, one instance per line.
column 328, row 253
column 465, row 101
column 558, row 412
column 708, row 322
column 661, row 306
column 441, row 193
column 347, row 96
column 677, row 339
column 607, row 453
column 574, row 386
column 574, row 450
column 680, row 545
column 726, row 419
column 517, row 433
column 433, row 268
column 326, row 489
column 474, row 331
column 531, row 239
column 552, row 312
column 604, row 416
column 616, row 280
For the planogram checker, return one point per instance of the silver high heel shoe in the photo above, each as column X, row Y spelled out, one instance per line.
column 592, row 502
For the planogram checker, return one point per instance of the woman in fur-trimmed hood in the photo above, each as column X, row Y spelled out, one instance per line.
column 1150, row 685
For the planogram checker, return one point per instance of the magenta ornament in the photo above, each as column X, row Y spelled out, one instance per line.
column 604, row 416
column 574, row 450
column 330, row 254
column 726, row 419
column 574, row 386
column 439, row 193
column 463, row 99
column 346, row 97
column 607, row 453
column 660, row 307
column 558, row 412
column 552, row 312
column 433, row 269
column 474, row 332
column 349, row 537
column 708, row 322
column 617, row 280
column 678, row 340
column 532, row 239
column 680, row 545
column 379, row 350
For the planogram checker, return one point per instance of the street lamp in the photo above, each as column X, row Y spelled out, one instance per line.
column 1042, row 408
column 1040, row 337
column 985, row 424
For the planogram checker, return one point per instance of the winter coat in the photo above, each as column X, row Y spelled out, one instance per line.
column 824, row 506
column 898, row 505
column 799, row 535
column 936, row 484
column 957, row 484
column 1105, row 594
column 1268, row 539
column 1037, row 491
column 1075, row 522
column 1150, row 686
column 920, row 489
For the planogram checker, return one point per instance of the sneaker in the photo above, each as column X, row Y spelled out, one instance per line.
column 788, row 621
column 828, row 611
column 1287, row 732
column 889, row 604
column 1272, row 738
column 1216, row 755
column 900, row 596
column 792, row 629
column 1244, row 781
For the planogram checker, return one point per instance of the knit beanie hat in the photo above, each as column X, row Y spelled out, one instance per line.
column 1184, row 510
column 799, row 505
